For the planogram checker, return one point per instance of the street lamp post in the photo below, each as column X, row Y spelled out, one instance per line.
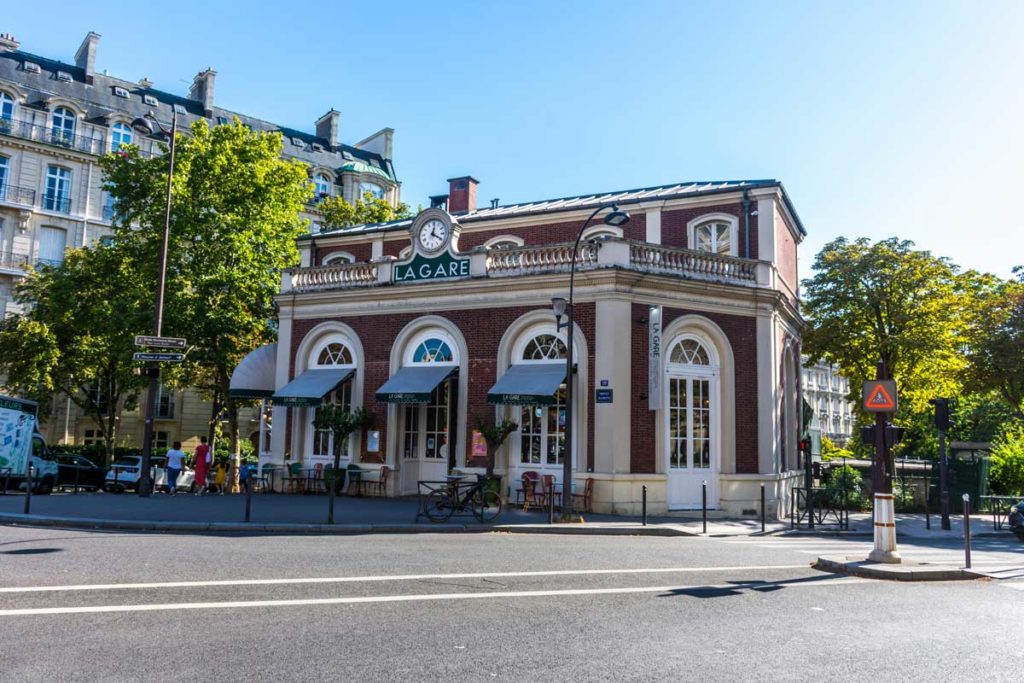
column 149, row 125
column 561, row 306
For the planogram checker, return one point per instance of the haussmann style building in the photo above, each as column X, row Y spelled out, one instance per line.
column 686, row 344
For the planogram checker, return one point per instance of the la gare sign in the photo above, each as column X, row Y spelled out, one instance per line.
column 440, row 267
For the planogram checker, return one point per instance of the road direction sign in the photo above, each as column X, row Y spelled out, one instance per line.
column 159, row 342
column 158, row 357
column 879, row 396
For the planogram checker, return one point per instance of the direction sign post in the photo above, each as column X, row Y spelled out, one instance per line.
column 159, row 342
column 158, row 357
column 880, row 397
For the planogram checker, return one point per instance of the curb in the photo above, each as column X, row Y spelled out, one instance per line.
column 895, row 572
column 95, row 524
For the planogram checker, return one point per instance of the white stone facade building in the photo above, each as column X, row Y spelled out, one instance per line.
column 827, row 392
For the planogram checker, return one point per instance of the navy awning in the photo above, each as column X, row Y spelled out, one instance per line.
column 528, row 384
column 254, row 377
column 414, row 384
column 309, row 388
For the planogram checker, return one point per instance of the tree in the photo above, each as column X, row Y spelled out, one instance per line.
column 1007, row 464
column 234, row 221
column 337, row 213
column 494, row 435
column 342, row 423
column 76, row 335
column 996, row 350
column 892, row 302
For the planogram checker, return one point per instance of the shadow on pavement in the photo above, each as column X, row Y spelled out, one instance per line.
column 737, row 587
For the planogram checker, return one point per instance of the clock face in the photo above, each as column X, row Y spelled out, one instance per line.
column 433, row 235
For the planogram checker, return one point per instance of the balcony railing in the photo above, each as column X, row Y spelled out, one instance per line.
column 17, row 195
column 537, row 259
column 10, row 260
column 341, row 276
column 57, row 202
column 52, row 136
column 653, row 258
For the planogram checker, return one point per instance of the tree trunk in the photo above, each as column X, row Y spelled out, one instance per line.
column 232, row 408
column 334, row 481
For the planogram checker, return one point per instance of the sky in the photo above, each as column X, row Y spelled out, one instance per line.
column 881, row 119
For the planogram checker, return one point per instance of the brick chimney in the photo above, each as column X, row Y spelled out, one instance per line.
column 202, row 89
column 8, row 43
column 85, row 58
column 462, row 194
column 327, row 127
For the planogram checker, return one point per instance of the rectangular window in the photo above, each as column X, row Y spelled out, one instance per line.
column 99, row 399
column 92, row 437
column 164, row 403
column 150, row 100
column 120, row 92
column 3, row 178
column 58, row 190
column 160, row 440
column 52, row 243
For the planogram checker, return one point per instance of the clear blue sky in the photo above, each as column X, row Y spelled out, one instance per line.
column 880, row 118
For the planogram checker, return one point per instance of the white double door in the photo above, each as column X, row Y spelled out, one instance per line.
column 691, row 439
column 423, row 447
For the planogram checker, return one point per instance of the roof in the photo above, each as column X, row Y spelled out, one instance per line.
column 588, row 201
column 98, row 101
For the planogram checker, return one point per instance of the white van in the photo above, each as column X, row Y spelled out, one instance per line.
column 21, row 444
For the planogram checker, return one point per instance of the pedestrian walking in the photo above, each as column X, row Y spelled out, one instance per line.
column 203, row 458
column 243, row 477
column 175, row 463
column 219, row 478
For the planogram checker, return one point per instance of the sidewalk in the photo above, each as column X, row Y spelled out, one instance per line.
column 909, row 526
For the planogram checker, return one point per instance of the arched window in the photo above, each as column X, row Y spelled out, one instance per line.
column 544, row 347
column 542, row 427
column 332, row 355
column 596, row 232
column 504, row 242
column 714, row 237
column 689, row 351
column 338, row 258
column 62, row 129
column 691, row 412
column 120, row 134
column 321, row 187
column 6, row 110
column 375, row 190
column 433, row 350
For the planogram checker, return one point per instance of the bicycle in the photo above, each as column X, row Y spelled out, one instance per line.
column 457, row 496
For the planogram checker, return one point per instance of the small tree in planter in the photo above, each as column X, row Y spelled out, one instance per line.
column 342, row 424
column 494, row 435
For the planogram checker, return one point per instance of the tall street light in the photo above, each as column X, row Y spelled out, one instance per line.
column 148, row 125
column 561, row 306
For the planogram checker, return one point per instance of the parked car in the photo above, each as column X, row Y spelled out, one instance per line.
column 124, row 475
column 76, row 470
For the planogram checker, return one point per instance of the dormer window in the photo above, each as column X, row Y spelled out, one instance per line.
column 376, row 191
column 179, row 109
column 31, row 67
column 120, row 92
column 298, row 142
column 64, row 76
column 150, row 100
column 714, row 234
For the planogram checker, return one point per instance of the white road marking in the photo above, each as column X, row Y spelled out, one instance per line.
column 36, row 611
column 401, row 577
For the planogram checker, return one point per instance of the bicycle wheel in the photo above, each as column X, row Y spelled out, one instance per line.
column 438, row 507
column 486, row 506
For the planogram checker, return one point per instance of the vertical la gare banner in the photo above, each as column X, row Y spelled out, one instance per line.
column 439, row 267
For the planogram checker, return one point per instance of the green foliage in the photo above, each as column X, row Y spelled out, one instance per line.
column 1006, row 472
column 76, row 334
column 891, row 302
column 494, row 434
column 337, row 213
column 996, row 352
column 845, row 487
column 342, row 423
column 829, row 451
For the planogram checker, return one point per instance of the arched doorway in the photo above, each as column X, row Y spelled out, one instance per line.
column 333, row 353
column 692, row 406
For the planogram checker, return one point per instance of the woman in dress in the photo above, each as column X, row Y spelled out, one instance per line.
column 202, row 465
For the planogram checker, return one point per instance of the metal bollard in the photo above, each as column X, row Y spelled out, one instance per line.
column 967, row 529
column 643, row 505
column 28, row 489
column 248, row 499
column 704, row 505
column 551, row 507
column 762, row 507
column 927, row 514
column 78, row 472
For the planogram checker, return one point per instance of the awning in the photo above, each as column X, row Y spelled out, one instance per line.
column 414, row 384
column 528, row 384
column 309, row 388
column 254, row 376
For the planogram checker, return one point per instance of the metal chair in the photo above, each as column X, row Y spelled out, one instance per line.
column 587, row 496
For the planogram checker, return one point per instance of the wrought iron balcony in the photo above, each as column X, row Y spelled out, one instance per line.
column 10, row 261
column 17, row 195
column 56, row 137
column 57, row 202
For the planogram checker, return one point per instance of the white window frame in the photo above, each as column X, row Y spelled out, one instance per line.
column 336, row 258
column 346, row 391
column 425, row 335
column 598, row 231
column 548, row 460
column 61, row 178
column 63, row 123
column 120, row 134
column 5, row 169
column 711, row 372
column 321, row 186
column 376, row 190
column 504, row 242
column 727, row 218
column 7, row 101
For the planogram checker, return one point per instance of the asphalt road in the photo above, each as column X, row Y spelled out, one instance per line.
column 111, row 606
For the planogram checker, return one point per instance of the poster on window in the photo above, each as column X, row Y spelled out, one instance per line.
column 654, row 358
column 479, row 445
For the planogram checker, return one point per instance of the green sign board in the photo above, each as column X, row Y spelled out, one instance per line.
column 422, row 268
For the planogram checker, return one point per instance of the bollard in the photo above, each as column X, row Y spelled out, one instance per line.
column 967, row 529
column 927, row 514
column 28, row 489
column 704, row 505
column 643, row 505
column 551, row 505
column 78, row 472
column 762, row 507
column 248, row 500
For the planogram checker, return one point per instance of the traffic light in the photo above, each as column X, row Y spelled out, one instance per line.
column 941, row 413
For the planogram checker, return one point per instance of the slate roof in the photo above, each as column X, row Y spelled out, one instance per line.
column 588, row 201
column 98, row 101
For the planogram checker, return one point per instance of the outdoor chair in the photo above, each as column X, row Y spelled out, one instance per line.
column 317, row 481
column 355, row 478
column 381, row 482
column 521, row 494
column 296, row 482
column 547, row 489
column 587, row 496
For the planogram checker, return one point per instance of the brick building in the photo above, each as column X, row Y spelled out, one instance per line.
column 445, row 318
column 57, row 118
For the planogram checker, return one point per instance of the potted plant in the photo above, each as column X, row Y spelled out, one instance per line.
column 495, row 434
column 342, row 423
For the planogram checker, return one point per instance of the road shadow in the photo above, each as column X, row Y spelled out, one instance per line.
column 31, row 551
column 732, row 588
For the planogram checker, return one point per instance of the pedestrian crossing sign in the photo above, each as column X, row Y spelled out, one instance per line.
column 879, row 396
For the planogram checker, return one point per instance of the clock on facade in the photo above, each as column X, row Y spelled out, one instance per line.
column 433, row 235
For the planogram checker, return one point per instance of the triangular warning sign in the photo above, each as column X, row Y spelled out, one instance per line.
column 880, row 399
